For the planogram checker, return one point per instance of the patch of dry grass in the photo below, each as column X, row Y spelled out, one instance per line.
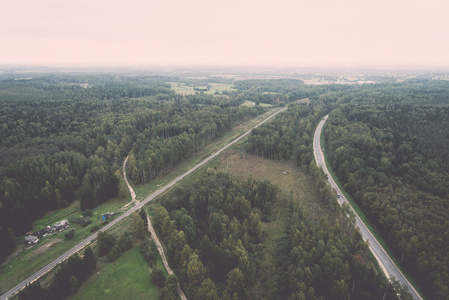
column 292, row 180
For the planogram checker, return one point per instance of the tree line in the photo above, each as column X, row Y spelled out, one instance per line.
column 392, row 160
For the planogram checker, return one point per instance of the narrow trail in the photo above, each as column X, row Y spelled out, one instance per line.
column 152, row 232
column 161, row 252
column 131, row 190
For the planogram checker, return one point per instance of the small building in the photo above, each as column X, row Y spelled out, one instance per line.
column 31, row 240
column 61, row 225
column 107, row 216
column 43, row 231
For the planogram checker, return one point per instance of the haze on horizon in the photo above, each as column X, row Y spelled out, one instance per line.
column 210, row 32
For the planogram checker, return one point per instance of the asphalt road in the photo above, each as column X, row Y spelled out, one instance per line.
column 389, row 267
column 113, row 222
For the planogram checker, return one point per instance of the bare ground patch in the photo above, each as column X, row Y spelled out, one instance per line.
column 47, row 246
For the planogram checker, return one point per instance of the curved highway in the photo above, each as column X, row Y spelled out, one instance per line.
column 388, row 266
column 138, row 205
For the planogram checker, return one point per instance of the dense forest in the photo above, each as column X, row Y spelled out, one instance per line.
column 63, row 138
column 393, row 161
column 214, row 237
column 388, row 144
column 216, row 243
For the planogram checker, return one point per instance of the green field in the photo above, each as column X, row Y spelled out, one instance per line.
column 126, row 278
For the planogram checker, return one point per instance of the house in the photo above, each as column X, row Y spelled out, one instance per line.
column 107, row 216
column 61, row 225
column 31, row 240
column 43, row 231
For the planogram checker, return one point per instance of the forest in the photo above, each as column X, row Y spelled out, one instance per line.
column 213, row 230
column 215, row 241
column 63, row 138
column 393, row 161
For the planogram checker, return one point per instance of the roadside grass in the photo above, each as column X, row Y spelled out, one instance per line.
column 126, row 278
column 374, row 230
column 142, row 191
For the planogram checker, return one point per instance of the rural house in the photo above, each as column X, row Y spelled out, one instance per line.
column 31, row 240
column 61, row 225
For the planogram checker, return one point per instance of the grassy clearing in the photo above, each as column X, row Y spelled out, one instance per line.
column 219, row 87
column 181, row 88
column 296, row 183
column 126, row 278
column 374, row 230
column 252, row 103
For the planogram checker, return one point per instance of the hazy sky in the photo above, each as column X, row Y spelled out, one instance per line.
column 232, row 32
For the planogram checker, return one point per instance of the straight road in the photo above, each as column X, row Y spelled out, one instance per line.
column 126, row 214
column 388, row 266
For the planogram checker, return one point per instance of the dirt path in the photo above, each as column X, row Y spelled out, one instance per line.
column 47, row 246
column 131, row 190
column 161, row 252
column 151, row 230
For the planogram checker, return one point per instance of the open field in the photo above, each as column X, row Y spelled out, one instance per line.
column 182, row 88
column 219, row 87
column 295, row 183
column 252, row 103
column 126, row 278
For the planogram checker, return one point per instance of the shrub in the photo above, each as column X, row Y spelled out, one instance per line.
column 147, row 252
column 157, row 277
column 87, row 213
column 114, row 253
column 94, row 228
column 81, row 220
column 70, row 234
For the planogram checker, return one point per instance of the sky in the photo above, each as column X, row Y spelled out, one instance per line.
column 232, row 32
